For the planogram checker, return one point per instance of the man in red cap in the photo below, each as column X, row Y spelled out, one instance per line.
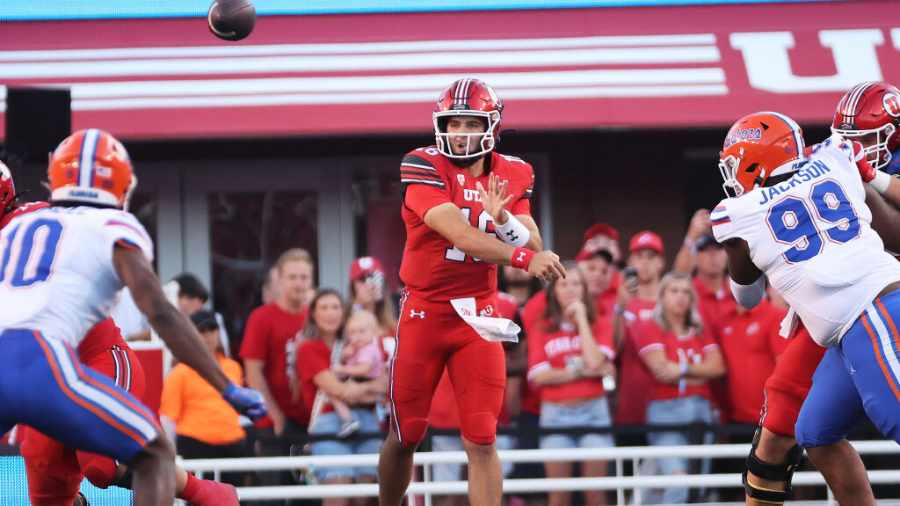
column 636, row 300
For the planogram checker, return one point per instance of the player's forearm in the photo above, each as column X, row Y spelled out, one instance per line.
column 181, row 337
column 483, row 246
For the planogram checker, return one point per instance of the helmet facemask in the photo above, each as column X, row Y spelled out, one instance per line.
column 728, row 167
column 485, row 140
column 874, row 140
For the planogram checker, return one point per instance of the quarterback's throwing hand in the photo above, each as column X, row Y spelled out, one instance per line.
column 495, row 199
column 246, row 401
column 546, row 265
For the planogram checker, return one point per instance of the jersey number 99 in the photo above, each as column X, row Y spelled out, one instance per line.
column 791, row 221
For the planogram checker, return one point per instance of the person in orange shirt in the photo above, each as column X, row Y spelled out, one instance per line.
column 206, row 426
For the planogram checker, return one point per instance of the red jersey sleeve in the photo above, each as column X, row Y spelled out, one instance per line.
column 647, row 336
column 422, row 185
column 523, row 204
column 537, row 356
column 603, row 336
column 313, row 357
column 255, row 344
column 708, row 341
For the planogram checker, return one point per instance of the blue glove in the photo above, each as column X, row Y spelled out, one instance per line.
column 245, row 401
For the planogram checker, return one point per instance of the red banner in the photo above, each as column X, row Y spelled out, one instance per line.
column 379, row 73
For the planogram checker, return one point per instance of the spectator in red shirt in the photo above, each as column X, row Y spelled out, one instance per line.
column 268, row 348
column 637, row 297
column 369, row 291
column 750, row 344
column 318, row 353
column 570, row 351
column 682, row 358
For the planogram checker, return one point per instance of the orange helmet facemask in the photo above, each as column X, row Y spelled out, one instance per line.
column 93, row 167
column 759, row 146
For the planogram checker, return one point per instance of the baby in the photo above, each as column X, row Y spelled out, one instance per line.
column 361, row 359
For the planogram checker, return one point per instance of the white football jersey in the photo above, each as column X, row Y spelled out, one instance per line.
column 56, row 269
column 812, row 237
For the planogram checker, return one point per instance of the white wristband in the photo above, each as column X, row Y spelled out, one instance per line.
column 513, row 232
column 881, row 182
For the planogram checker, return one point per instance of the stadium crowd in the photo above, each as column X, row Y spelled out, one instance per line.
column 622, row 348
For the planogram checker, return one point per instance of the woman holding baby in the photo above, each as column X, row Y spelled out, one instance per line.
column 342, row 376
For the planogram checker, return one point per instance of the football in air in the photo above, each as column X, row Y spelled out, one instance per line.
column 231, row 19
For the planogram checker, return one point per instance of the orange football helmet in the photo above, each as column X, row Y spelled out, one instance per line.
column 91, row 166
column 759, row 146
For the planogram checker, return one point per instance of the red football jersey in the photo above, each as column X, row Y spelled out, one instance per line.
column 20, row 210
column 432, row 268
column 750, row 344
column 649, row 335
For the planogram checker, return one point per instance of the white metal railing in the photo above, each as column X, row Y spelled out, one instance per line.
column 618, row 455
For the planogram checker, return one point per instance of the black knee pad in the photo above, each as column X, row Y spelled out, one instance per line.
column 773, row 472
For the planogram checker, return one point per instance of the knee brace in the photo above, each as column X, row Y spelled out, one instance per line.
column 479, row 428
column 98, row 469
column 773, row 472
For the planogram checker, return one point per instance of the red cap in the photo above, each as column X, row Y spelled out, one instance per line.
column 604, row 229
column 364, row 266
column 588, row 253
column 646, row 240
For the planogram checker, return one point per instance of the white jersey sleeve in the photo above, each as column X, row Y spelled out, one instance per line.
column 122, row 228
column 726, row 220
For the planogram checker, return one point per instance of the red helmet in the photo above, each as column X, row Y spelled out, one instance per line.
column 870, row 113
column 759, row 146
column 468, row 97
column 91, row 166
column 7, row 189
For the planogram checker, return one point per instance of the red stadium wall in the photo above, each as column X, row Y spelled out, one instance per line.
column 350, row 74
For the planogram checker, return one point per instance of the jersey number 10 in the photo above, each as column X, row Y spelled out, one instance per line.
column 33, row 257
column 791, row 221
column 455, row 254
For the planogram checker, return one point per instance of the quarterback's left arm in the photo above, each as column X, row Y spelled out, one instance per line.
column 534, row 242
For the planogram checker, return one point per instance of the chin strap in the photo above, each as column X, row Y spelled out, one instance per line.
column 772, row 472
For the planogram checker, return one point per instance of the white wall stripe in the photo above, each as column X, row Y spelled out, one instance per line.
column 385, row 98
column 407, row 82
column 884, row 338
column 358, row 47
column 98, row 397
column 446, row 60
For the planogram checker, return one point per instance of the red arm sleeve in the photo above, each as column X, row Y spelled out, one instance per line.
column 523, row 204
column 313, row 357
column 647, row 335
column 603, row 336
column 255, row 343
column 420, row 198
column 422, row 184
column 537, row 355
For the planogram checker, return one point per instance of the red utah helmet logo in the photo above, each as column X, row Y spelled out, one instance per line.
column 891, row 104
